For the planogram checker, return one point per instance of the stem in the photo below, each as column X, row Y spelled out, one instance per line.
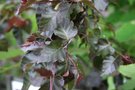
column 51, row 82
column 125, row 59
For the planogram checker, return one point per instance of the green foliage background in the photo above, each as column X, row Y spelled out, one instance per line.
column 121, row 33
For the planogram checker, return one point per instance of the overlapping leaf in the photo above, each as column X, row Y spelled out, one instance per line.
column 105, row 50
column 58, row 83
column 128, row 71
column 49, row 18
column 66, row 30
column 45, row 54
column 108, row 66
column 36, row 79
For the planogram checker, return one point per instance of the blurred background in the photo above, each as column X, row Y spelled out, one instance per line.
column 117, row 22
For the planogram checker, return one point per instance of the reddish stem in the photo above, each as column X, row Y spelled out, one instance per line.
column 126, row 59
column 51, row 82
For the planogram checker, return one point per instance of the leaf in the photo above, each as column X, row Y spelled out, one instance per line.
column 66, row 30
column 26, row 64
column 129, row 85
column 11, row 53
column 111, row 84
column 101, row 5
column 45, row 54
column 48, row 18
column 119, row 17
column 58, row 83
column 45, row 86
column 8, row 68
column 61, row 68
column 104, row 47
column 44, row 16
column 28, row 46
column 125, row 32
column 105, row 50
column 93, row 80
column 26, row 82
column 131, row 2
column 108, row 66
column 127, row 70
column 34, row 42
column 11, row 39
column 36, row 79
column 3, row 45
column 131, row 50
column 90, row 4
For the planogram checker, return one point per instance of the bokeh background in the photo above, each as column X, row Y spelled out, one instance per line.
column 118, row 24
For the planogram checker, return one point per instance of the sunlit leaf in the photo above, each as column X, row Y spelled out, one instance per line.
column 127, row 70
column 129, row 85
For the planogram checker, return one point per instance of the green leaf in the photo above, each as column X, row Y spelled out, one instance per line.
column 131, row 49
column 131, row 2
column 119, row 17
column 11, row 39
column 125, row 32
column 111, row 85
column 3, row 45
column 127, row 70
column 9, row 67
column 129, row 85
column 66, row 30
column 32, row 18
column 10, row 53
